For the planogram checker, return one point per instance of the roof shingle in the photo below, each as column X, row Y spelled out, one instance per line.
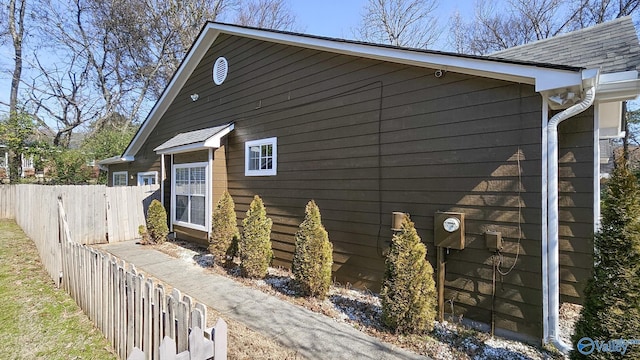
column 612, row 46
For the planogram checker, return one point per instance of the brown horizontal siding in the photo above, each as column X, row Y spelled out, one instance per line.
column 576, row 158
column 364, row 138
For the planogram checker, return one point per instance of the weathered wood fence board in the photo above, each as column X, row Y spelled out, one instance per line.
column 126, row 209
column 133, row 311
column 7, row 202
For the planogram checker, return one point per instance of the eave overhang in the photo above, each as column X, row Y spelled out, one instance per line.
column 543, row 76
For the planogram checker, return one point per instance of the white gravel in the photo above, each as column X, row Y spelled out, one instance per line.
column 362, row 309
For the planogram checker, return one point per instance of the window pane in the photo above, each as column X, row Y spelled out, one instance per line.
column 198, row 183
column 254, row 158
column 182, row 181
column 120, row 180
column 181, row 208
column 197, row 210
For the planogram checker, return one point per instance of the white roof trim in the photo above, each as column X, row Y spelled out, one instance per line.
column 211, row 142
column 115, row 160
column 542, row 77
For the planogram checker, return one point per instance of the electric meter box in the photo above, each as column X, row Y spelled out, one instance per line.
column 448, row 230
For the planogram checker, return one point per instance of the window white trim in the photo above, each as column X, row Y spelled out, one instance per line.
column 142, row 175
column 120, row 173
column 207, row 196
column 274, row 157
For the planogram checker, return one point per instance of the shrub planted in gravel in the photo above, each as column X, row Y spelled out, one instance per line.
column 313, row 257
column 157, row 222
column 611, row 308
column 254, row 247
column 224, row 230
column 408, row 292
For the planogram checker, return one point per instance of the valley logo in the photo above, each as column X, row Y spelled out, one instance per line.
column 586, row 345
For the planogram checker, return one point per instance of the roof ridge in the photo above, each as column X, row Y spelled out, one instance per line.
column 570, row 33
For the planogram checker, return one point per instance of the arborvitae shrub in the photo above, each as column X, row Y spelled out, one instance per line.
column 224, row 230
column 611, row 308
column 408, row 292
column 142, row 230
column 157, row 222
column 313, row 257
column 254, row 246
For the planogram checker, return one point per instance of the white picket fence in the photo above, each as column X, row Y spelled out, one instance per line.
column 133, row 312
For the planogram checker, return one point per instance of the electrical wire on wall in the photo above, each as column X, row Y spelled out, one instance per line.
column 500, row 256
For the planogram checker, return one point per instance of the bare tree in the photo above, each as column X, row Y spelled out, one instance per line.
column 408, row 23
column 266, row 14
column 493, row 29
column 107, row 58
column 590, row 12
column 17, row 9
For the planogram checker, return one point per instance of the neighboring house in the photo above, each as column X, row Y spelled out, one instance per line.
column 367, row 130
column 28, row 168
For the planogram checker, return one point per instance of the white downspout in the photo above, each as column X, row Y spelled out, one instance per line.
column 553, row 262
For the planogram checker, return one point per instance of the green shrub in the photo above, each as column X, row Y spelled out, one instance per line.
column 313, row 257
column 157, row 222
column 408, row 292
column 142, row 231
column 224, row 230
column 611, row 308
column 254, row 247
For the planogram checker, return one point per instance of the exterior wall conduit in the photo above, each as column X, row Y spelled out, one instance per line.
column 552, row 253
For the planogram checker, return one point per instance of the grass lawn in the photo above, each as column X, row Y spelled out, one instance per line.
column 37, row 320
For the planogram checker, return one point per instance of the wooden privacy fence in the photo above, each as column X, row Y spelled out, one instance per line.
column 135, row 313
column 95, row 213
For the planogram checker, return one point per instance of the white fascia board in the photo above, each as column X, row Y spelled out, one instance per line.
column 182, row 148
column 620, row 86
column 214, row 141
column 116, row 160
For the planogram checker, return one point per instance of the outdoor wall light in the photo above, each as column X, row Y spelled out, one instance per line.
column 194, row 97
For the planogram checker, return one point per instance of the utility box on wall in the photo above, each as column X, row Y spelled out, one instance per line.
column 448, row 230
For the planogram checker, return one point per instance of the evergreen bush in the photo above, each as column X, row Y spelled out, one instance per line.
column 157, row 222
column 313, row 257
column 408, row 292
column 142, row 231
column 254, row 246
column 611, row 309
column 224, row 229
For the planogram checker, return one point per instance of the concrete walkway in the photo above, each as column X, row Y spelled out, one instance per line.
column 313, row 335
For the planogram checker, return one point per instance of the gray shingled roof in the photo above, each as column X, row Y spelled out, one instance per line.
column 612, row 45
column 191, row 137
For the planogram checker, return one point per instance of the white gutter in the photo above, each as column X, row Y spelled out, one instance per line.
column 553, row 271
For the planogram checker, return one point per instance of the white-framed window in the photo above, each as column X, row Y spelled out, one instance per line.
column 190, row 195
column 120, row 178
column 261, row 157
column 147, row 178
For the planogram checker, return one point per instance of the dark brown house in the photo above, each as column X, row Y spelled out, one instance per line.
column 367, row 130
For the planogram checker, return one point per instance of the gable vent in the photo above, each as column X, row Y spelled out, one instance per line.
column 220, row 69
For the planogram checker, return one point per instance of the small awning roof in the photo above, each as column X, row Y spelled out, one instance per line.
column 195, row 140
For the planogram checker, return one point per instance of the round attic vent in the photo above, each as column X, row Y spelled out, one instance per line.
column 220, row 69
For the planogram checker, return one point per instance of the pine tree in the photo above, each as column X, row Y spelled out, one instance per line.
column 408, row 291
column 224, row 229
column 313, row 257
column 254, row 247
column 611, row 308
column 157, row 222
